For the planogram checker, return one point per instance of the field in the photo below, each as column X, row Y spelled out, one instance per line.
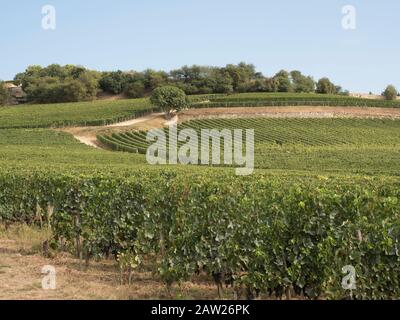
column 72, row 114
column 285, row 99
column 325, row 194
column 369, row 146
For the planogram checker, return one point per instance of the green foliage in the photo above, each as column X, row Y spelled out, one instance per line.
column 291, row 99
column 240, row 75
column 321, row 145
column 67, row 114
column 302, row 83
column 47, row 84
column 169, row 99
column 325, row 86
column 57, row 83
column 4, row 94
column 390, row 93
column 135, row 90
column 113, row 82
column 261, row 234
column 283, row 82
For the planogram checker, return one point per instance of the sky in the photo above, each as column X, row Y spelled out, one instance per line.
column 302, row 35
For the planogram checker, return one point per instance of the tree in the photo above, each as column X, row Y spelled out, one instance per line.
column 240, row 74
column 135, row 89
column 154, row 79
column 113, row 82
column 283, row 81
column 220, row 81
column 390, row 93
column 302, row 83
column 4, row 94
column 169, row 99
column 325, row 86
column 271, row 85
column 56, row 83
column 72, row 91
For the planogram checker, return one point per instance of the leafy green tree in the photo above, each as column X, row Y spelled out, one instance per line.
column 72, row 91
column 283, row 81
column 4, row 94
column 56, row 83
column 390, row 93
column 271, row 85
column 90, row 80
column 302, row 83
column 169, row 99
column 258, row 85
column 135, row 89
column 31, row 74
column 325, row 86
column 113, row 82
column 240, row 74
column 221, row 82
column 154, row 79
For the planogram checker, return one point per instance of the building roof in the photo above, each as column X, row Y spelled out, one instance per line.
column 9, row 85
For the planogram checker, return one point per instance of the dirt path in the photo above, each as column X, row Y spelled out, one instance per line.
column 136, row 121
column 87, row 135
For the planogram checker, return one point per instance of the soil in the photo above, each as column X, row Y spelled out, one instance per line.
column 21, row 263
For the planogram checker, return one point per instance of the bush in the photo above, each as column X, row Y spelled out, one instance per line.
column 169, row 99
column 390, row 93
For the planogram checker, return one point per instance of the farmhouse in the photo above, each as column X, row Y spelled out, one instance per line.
column 17, row 95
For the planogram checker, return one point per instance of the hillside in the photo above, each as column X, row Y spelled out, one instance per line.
column 324, row 194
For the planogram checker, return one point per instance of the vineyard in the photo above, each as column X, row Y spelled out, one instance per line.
column 262, row 235
column 287, row 99
column 95, row 113
column 357, row 145
column 99, row 113
column 325, row 194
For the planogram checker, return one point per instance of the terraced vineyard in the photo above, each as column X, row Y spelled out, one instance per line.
column 368, row 146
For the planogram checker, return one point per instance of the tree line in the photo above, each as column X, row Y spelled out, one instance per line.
column 70, row 83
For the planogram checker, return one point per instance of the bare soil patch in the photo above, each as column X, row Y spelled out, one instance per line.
column 293, row 112
column 21, row 263
column 87, row 135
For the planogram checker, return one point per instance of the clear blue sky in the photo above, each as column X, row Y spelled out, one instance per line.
column 130, row 34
